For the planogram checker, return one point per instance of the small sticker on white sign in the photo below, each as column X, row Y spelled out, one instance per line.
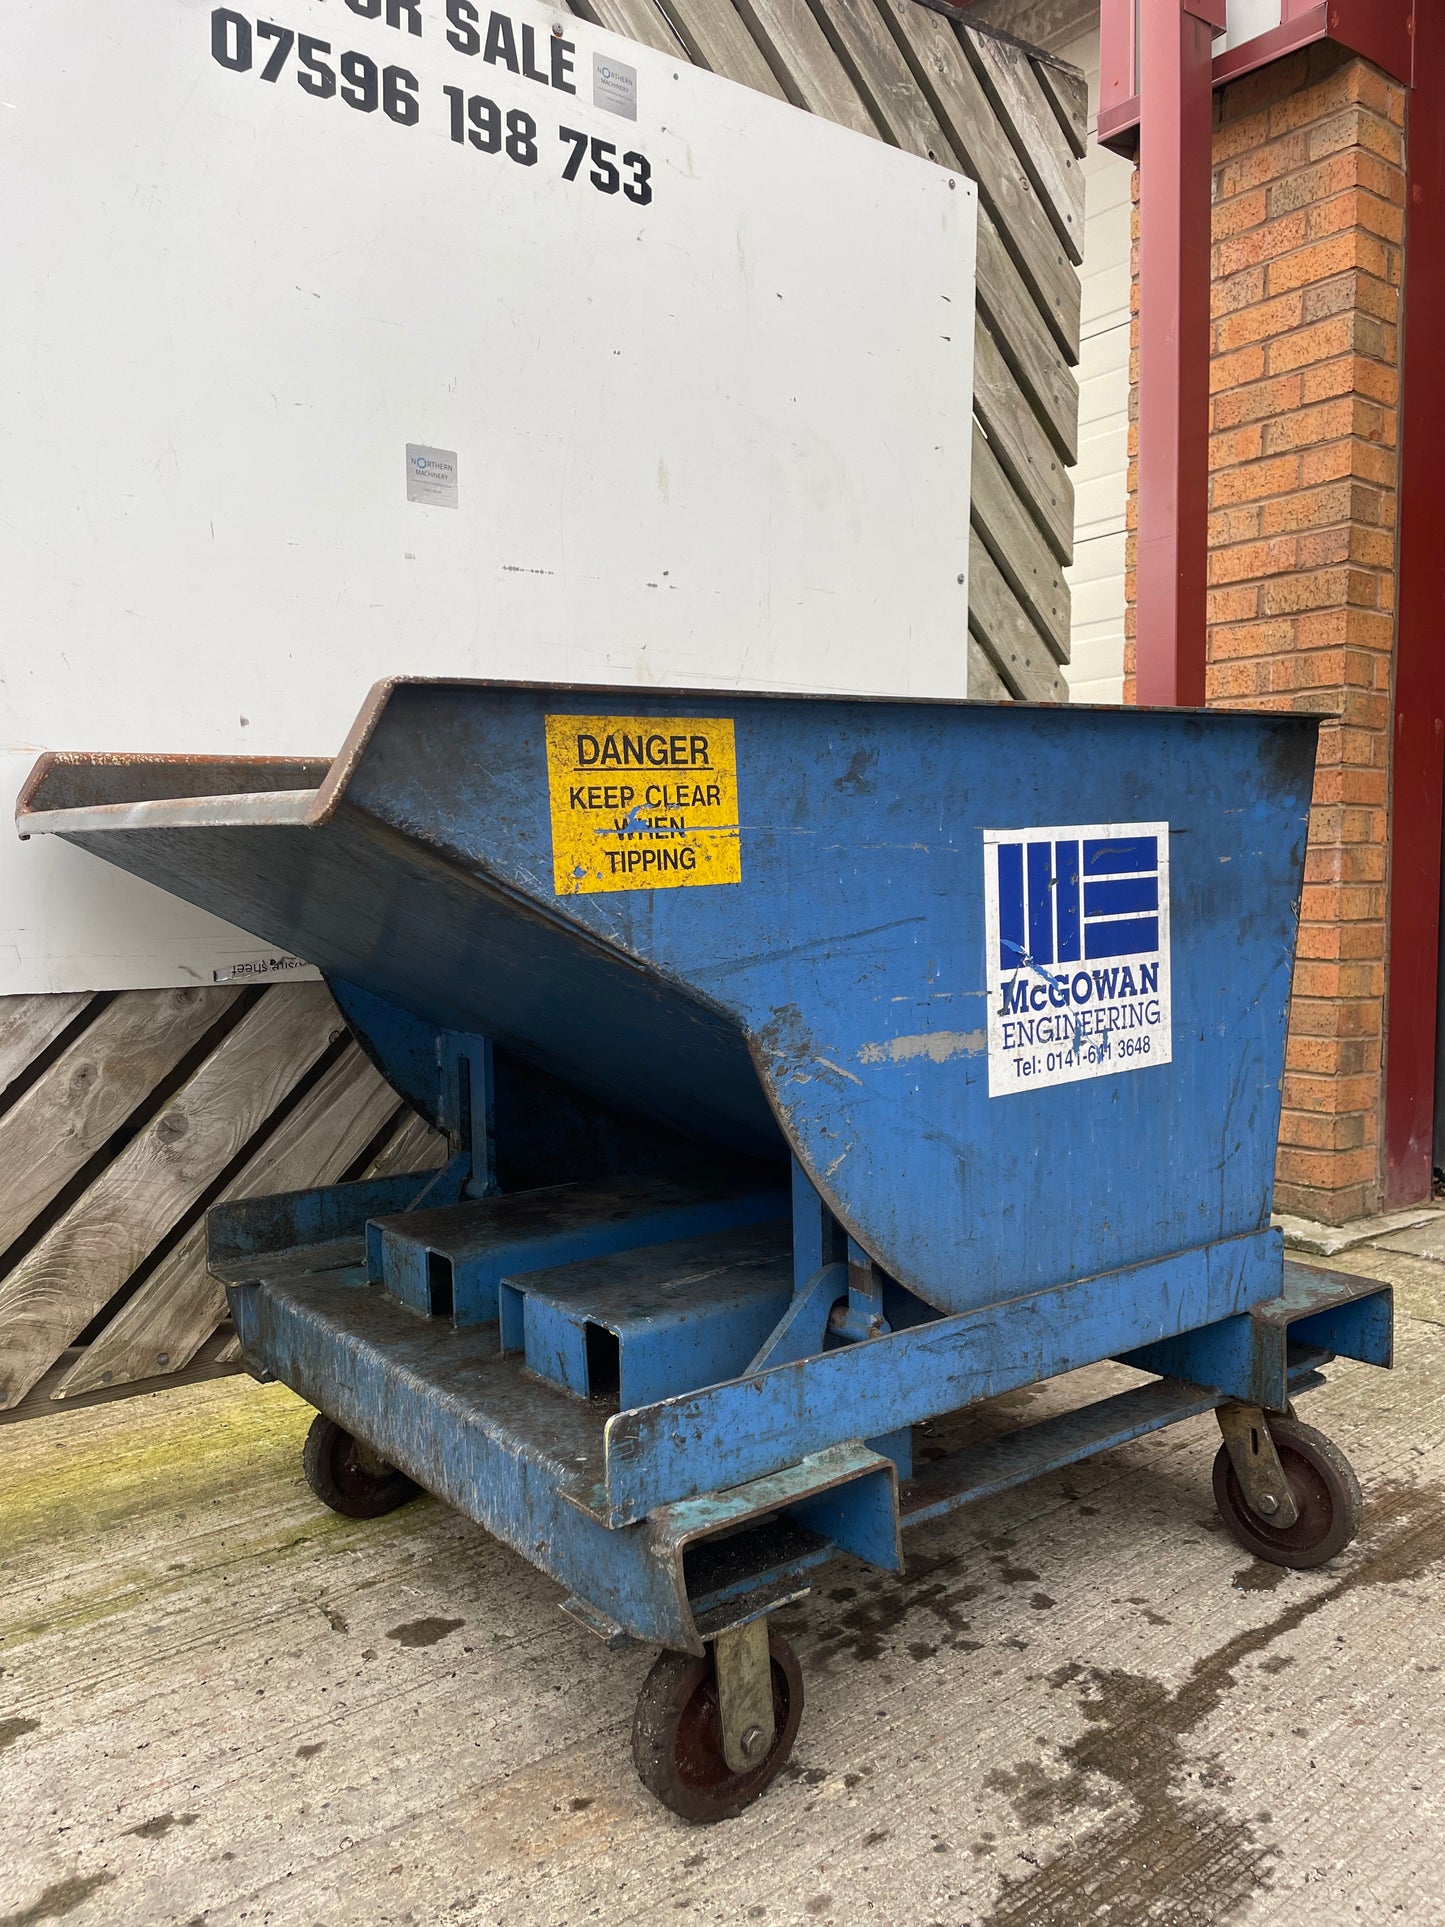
column 614, row 87
column 431, row 475
column 253, row 968
column 1077, row 927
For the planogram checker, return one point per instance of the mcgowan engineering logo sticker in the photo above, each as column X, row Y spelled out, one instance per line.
column 642, row 802
column 1077, row 922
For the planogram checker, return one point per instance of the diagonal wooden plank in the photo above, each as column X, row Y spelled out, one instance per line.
column 998, row 619
column 87, row 1255
column 160, row 1328
column 1027, row 341
column 1018, row 439
column 985, row 684
column 798, row 49
column 1014, row 541
column 1029, row 120
column 412, row 1146
column 28, row 1024
column 885, row 81
column 883, row 78
column 636, row 20
column 1067, row 92
column 955, row 94
column 716, row 38
column 90, row 1090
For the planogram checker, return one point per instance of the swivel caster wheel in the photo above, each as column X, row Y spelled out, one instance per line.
column 677, row 1735
column 348, row 1476
column 1325, row 1490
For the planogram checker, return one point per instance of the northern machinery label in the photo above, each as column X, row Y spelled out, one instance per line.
column 1077, row 928
column 642, row 802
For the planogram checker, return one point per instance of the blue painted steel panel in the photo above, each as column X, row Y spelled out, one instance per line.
column 833, row 1001
column 740, row 1431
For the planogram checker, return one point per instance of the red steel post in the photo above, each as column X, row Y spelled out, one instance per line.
column 1175, row 157
column 1419, row 739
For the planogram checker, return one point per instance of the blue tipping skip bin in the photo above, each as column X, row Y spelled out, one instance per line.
column 812, row 1068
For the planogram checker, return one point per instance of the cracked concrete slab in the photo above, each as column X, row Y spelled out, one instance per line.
column 1082, row 1705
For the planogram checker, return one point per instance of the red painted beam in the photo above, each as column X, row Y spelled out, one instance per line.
column 1175, row 161
column 1419, row 740
column 1381, row 30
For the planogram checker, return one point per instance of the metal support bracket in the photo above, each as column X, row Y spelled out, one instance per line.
column 1256, row 1462
column 745, row 1693
column 862, row 1316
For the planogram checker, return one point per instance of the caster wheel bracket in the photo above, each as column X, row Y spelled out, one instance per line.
column 1256, row 1462
column 745, row 1693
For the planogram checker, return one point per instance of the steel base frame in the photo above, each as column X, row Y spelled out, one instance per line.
column 679, row 1520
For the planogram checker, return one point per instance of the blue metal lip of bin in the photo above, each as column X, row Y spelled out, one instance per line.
column 821, row 1024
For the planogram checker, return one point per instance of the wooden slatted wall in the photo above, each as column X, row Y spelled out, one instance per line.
column 123, row 1117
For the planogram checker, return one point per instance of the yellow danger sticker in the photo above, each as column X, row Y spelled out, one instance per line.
column 642, row 802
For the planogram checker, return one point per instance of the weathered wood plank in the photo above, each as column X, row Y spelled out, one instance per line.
column 412, row 1146
column 998, row 619
column 1018, row 548
column 1067, row 92
column 985, row 684
column 797, row 48
column 165, row 1323
column 1019, row 441
column 87, row 1255
column 885, row 80
column 716, row 38
column 1029, row 120
column 1027, row 341
column 637, row 20
column 208, row 1363
column 28, row 1024
column 957, row 97
column 90, row 1090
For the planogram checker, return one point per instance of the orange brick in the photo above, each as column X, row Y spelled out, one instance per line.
column 1254, row 482
column 1321, row 259
column 1228, row 296
column 1354, row 127
column 1256, row 165
column 1244, row 211
column 1325, row 421
column 1310, row 1132
column 1249, row 560
column 1321, row 340
column 1237, row 370
column 1234, row 681
column 1233, row 605
column 1264, row 243
column 1244, row 639
column 1257, row 403
column 1235, row 525
column 1354, row 209
column 1310, row 509
column 1257, row 320
column 1326, row 1171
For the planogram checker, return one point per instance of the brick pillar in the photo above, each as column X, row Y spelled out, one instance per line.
column 1309, row 194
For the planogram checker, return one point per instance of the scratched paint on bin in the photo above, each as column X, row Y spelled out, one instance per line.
column 1076, row 930
column 642, row 802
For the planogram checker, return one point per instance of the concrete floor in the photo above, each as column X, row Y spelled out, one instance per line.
column 219, row 1703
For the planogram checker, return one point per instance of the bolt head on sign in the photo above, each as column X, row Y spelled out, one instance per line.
column 642, row 802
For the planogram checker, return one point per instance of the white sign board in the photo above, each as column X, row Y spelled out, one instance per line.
column 1076, row 921
column 353, row 338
